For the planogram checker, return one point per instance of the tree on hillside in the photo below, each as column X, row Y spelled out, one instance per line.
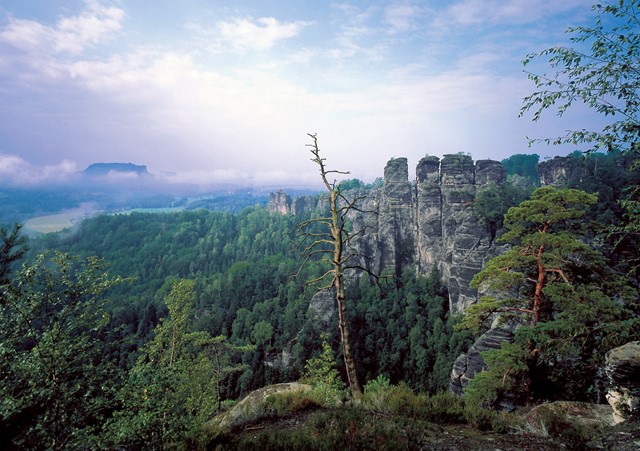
column 12, row 249
column 604, row 76
column 58, row 376
column 522, row 165
column 542, row 232
column 571, row 307
column 174, row 386
column 601, row 71
column 330, row 242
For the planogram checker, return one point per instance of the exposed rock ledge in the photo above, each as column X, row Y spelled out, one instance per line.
column 251, row 407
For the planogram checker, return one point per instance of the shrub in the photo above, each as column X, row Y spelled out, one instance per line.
column 376, row 393
column 444, row 408
column 441, row 408
column 321, row 374
column 290, row 402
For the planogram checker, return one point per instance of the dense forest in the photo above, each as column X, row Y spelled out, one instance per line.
column 142, row 326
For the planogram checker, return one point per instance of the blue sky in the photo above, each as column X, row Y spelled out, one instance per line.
column 225, row 91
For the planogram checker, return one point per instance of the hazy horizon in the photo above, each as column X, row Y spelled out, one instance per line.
column 208, row 94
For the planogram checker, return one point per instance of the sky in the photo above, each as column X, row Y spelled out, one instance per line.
column 211, row 92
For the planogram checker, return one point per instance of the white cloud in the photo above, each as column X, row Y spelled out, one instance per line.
column 179, row 109
column 70, row 35
column 257, row 34
column 14, row 170
column 11, row 165
column 471, row 12
column 402, row 18
column 205, row 178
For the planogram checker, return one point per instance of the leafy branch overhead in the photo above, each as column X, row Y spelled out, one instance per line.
column 605, row 76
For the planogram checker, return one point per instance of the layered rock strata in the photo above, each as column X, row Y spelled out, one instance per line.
column 428, row 222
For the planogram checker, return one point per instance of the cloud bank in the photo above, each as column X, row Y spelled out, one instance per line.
column 230, row 92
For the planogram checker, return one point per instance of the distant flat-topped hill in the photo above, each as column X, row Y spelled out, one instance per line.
column 97, row 169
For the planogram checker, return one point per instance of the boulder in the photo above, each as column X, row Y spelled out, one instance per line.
column 466, row 366
column 251, row 408
column 557, row 418
column 622, row 368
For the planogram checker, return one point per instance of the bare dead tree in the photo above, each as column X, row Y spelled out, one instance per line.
column 330, row 242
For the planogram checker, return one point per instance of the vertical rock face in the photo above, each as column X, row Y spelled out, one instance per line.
column 428, row 214
column 279, row 202
column 461, row 232
column 560, row 170
column 429, row 222
column 466, row 241
column 395, row 217
column 488, row 172
column 282, row 203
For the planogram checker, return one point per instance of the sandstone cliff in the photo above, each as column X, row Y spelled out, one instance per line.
column 428, row 221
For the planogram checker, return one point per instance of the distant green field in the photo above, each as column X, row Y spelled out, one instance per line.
column 63, row 220
column 53, row 223
column 152, row 210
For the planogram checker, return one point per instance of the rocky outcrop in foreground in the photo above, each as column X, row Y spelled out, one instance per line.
column 252, row 407
column 623, row 371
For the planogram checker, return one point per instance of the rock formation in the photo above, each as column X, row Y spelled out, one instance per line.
column 250, row 408
column 427, row 222
column 560, row 171
column 623, row 371
column 279, row 202
column 467, row 365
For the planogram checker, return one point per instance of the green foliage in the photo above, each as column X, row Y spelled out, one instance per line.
column 406, row 333
column 507, row 375
column 440, row 408
column 174, row 386
column 492, row 202
column 546, row 250
column 572, row 306
column 244, row 291
column 349, row 428
column 349, row 184
column 560, row 425
column 523, row 166
column 321, row 374
column 291, row 402
column 58, row 377
column 378, row 384
column 262, row 333
column 12, row 248
column 375, row 393
column 604, row 77
column 489, row 420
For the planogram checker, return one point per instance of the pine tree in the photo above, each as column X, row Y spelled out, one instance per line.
column 570, row 306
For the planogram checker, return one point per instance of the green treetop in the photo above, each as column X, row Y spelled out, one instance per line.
column 569, row 305
column 546, row 252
